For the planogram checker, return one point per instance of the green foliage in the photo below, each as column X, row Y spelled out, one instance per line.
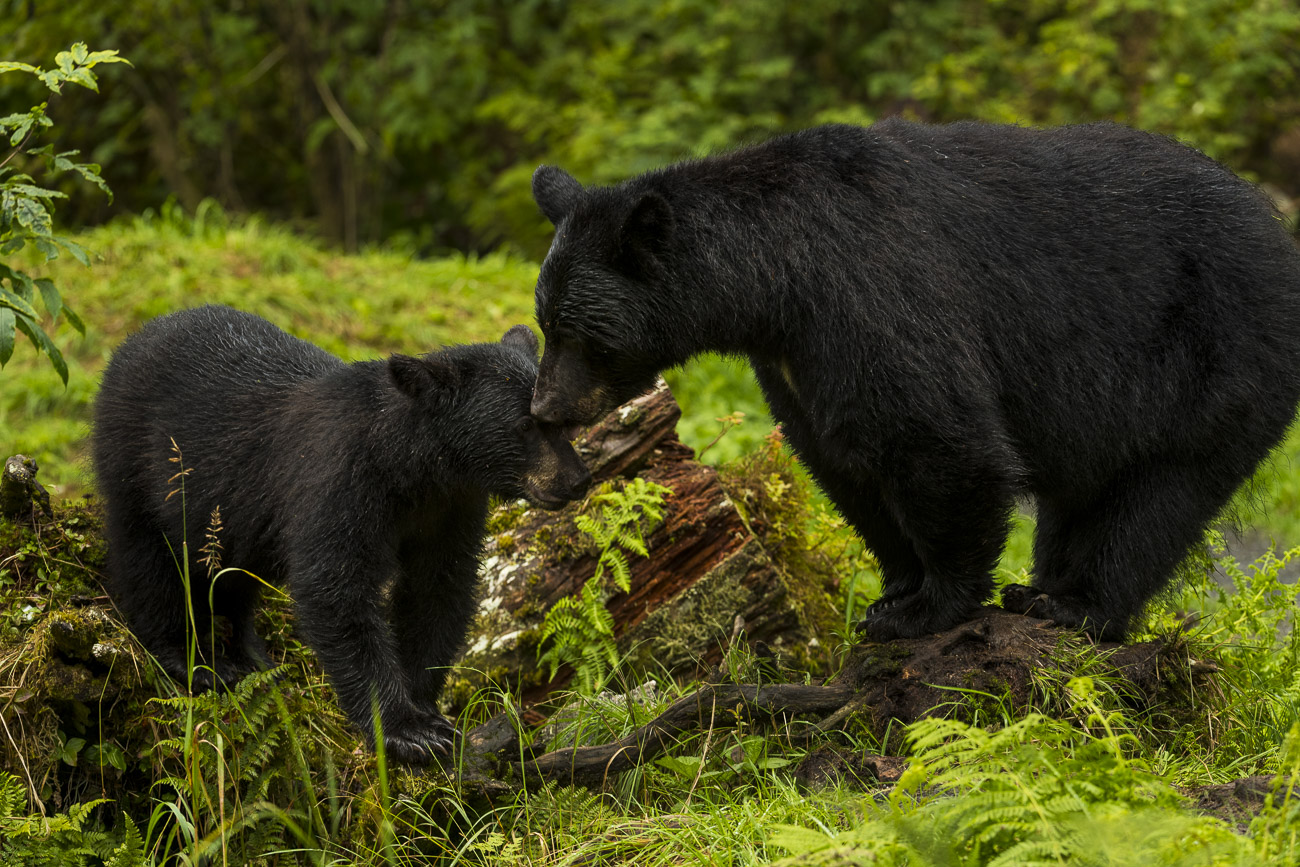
column 235, row 755
column 25, row 207
column 1035, row 792
column 621, row 526
column 379, row 120
column 63, row 840
column 579, row 629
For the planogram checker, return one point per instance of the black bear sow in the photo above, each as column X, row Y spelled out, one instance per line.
column 362, row 486
column 944, row 318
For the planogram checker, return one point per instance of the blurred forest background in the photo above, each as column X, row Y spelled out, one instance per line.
column 419, row 124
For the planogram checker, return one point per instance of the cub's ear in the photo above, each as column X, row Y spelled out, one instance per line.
column 521, row 337
column 645, row 234
column 417, row 375
column 556, row 192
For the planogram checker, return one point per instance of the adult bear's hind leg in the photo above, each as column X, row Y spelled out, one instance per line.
column 1096, row 566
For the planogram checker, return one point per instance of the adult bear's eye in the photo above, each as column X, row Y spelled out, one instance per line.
column 525, row 426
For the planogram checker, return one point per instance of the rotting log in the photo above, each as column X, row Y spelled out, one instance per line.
column 881, row 689
column 715, row 705
column 704, row 570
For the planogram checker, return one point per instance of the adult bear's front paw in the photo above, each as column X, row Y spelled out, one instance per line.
column 1068, row 611
column 420, row 738
column 894, row 617
column 909, row 616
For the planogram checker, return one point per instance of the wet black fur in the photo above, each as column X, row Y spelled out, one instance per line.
column 944, row 318
column 362, row 486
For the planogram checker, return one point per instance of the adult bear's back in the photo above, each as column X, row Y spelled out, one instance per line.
column 1121, row 288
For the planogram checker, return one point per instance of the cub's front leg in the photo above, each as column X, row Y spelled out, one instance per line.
column 343, row 616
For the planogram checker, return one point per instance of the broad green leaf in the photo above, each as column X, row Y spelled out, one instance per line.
column 85, row 78
column 33, row 192
column 50, row 296
column 22, row 285
column 78, row 252
column 42, row 342
column 109, row 55
column 105, row 754
column 89, row 171
column 12, row 245
column 6, row 335
column 79, row 52
column 74, row 320
column 71, row 749
column 33, row 215
column 17, row 304
column 11, row 66
column 20, row 124
column 53, row 79
column 46, row 246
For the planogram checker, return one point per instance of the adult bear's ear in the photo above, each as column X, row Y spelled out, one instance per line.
column 645, row 234
column 556, row 192
column 521, row 337
column 416, row 376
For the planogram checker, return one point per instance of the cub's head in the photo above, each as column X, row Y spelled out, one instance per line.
column 600, row 297
column 479, row 396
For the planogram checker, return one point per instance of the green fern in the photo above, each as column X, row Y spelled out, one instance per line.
column 622, row 521
column 131, row 851
column 236, row 755
column 579, row 629
column 1036, row 792
column 61, row 840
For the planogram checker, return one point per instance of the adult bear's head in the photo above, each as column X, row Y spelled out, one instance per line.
column 602, row 296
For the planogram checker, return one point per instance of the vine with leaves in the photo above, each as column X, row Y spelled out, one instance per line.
column 26, row 207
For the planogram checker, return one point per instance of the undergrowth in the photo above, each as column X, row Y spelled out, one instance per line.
column 269, row 772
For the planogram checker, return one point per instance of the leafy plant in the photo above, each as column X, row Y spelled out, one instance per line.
column 1036, row 792
column 25, row 206
column 579, row 628
column 65, row 839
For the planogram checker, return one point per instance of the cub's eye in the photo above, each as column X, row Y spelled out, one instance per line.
column 525, row 425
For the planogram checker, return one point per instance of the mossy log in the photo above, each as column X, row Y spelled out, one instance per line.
column 705, row 568
column 20, row 493
column 1010, row 660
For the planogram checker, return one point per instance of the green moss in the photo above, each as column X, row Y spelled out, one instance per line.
column 505, row 518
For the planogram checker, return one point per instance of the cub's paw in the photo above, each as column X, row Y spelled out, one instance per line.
column 420, row 739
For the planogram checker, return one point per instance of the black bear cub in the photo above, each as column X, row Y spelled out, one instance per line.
column 362, row 486
column 944, row 318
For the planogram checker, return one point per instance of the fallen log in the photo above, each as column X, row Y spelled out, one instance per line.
column 715, row 705
column 998, row 656
column 705, row 568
